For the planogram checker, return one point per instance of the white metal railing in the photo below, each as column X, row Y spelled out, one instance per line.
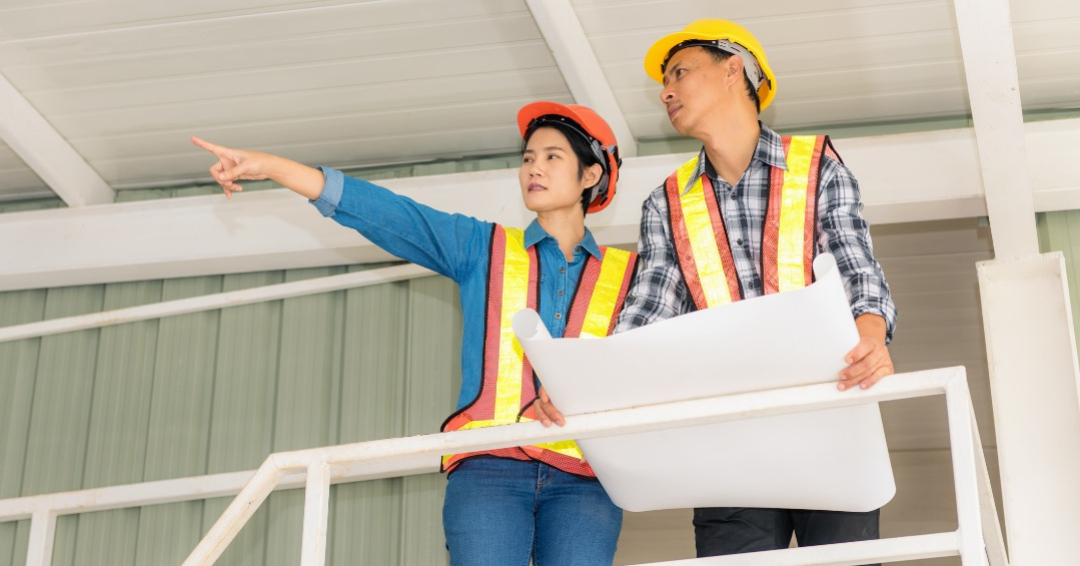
column 216, row 301
column 978, row 541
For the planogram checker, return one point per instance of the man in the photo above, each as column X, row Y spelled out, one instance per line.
column 745, row 218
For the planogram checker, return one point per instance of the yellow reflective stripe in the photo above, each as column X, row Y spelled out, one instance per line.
column 564, row 447
column 481, row 424
column 514, row 298
column 702, row 238
column 790, row 250
column 605, row 293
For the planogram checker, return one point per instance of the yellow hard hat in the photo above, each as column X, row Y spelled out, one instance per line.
column 726, row 36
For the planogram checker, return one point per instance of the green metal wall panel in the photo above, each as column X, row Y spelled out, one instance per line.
column 179, row 426
column 242, row 416
column 365, row 518
column 116, row 439
column 1060, row 231
column 218, row 391
column 18, row 368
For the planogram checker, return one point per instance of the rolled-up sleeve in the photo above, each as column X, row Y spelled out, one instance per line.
column 844, row 233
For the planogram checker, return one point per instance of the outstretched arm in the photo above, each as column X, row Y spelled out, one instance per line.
column 236, row 164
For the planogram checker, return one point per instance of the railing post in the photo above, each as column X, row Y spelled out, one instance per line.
column 992, row 535
column 962, row 439
column 316, row 513
column 42, row 532
column 236, row 515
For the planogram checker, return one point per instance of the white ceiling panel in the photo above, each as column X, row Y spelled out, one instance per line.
column 367, row 82
column 130, row 173
column 301, row 105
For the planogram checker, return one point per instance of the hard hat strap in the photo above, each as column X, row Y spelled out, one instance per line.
column 750, row 63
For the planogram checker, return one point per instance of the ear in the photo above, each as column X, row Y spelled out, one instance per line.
column 592, row 175
column 734, row 68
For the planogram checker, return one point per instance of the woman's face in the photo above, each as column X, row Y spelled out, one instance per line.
column 549, row 173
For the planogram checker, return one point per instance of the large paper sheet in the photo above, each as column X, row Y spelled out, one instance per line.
column 834, row 459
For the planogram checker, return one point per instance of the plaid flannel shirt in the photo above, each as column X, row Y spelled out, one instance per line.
column 660, row 291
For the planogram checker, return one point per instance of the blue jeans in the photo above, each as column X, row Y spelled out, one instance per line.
column 502, row 512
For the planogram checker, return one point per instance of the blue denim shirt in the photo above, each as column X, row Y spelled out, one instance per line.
column 456, row 246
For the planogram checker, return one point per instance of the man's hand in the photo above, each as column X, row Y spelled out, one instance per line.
column 869, row 361
column 546, row 413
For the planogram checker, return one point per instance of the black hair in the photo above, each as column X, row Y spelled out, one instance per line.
column 720, row 56
column 578, row 144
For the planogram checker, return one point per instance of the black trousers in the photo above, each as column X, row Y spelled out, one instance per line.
column 719, row 531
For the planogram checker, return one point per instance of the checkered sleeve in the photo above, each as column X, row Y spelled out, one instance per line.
column 659, row 291
column 843, row 232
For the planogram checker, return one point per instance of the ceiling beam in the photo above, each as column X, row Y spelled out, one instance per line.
column 561, row 28
column 34, row 140
column 986, row 39
column 275, row 229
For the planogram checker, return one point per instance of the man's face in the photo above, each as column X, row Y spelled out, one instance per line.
column 695, row 89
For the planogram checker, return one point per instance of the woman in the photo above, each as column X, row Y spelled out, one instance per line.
column 505, row 506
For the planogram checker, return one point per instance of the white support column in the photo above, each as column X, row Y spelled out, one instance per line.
column 561, row 28
column 42, row 532
column 316, row 514
column 986, row 39
column 34, row 139
column 1032, row 357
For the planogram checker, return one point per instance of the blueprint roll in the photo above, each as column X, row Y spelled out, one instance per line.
column 834, row 459
column 528, row 326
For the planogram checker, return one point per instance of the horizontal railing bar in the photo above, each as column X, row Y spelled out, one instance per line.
column 896, row 549
column 215, row 301
column 396, row 457
column 378, row 455
column 175, row 491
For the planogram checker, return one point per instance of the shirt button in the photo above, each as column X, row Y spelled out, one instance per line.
column 739, row 241
column 558, row 316
column 562, row 270
column 560, row 293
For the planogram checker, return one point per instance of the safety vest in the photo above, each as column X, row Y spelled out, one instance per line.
column 509, row 387
column 788, row 240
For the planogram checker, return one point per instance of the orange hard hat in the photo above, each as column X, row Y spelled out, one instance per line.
column 725, row 36
column 596, row 132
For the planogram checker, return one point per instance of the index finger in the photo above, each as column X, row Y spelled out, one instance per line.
column 212, row 148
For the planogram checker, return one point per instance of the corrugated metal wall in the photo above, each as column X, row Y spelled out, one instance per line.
column 218, row 391
column 1060, row 231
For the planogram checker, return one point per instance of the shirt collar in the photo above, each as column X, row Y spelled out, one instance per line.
column 770, row 151
column 535, row 233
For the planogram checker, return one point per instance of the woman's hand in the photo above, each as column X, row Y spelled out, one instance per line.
column 236, row 164
column 546, row 413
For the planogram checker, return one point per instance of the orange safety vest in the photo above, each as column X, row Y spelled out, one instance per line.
column 788, row 241
column 508, row 388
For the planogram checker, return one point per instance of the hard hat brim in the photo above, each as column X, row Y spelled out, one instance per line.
column 534, row 110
